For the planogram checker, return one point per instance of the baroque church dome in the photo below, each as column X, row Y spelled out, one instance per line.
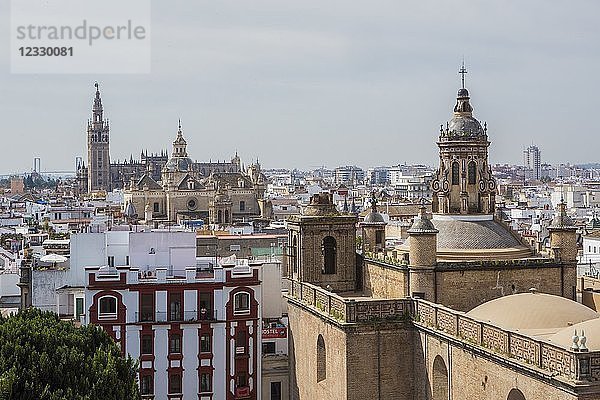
column 463, row 126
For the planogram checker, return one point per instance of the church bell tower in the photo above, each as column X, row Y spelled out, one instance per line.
column 463, row 183
column 98, row 148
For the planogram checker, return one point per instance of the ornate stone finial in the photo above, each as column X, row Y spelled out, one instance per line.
column 179, row 124
column 373, row 201
column 582, row 341
column 96, row 85
column 575, row 339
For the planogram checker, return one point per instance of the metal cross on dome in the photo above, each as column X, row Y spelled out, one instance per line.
column 462, row 71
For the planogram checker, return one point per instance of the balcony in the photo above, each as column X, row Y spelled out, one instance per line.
column 242, row 392
column 186, row 316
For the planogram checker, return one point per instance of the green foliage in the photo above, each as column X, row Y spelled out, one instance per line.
column 35, row 181
column 42, row 357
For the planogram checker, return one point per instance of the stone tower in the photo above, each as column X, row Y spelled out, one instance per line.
column 98, row 148
column 463, row 183
column 373, row 229
column 322, row 246
column 422, row 256
column 563, row 246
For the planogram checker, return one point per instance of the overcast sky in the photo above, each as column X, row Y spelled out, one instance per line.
column 308, row 83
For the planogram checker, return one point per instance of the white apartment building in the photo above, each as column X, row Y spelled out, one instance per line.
column 532, row 162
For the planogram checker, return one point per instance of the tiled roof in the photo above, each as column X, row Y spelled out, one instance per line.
column 456, row 234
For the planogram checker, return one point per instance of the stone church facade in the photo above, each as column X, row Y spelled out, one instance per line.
column 183, row 193
column 466, row 311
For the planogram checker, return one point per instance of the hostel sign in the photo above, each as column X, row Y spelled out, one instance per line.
column 274, row 333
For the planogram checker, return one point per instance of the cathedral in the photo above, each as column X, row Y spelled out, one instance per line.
column 466, row 310
column 185, row 193
column 171, row 188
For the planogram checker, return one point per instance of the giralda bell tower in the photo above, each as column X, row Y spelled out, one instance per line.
column 98, row 148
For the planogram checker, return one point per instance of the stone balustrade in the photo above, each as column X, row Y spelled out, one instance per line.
column 579, row 366
column 348, row 310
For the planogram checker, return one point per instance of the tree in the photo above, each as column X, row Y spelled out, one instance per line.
column 42, row 357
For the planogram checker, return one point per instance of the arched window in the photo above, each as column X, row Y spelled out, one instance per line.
column 321, row 359
column 515, row 394
column 329, row 255
column 241, row 303
column 107, row 307
column 440, row 380
column 455, row 173
column 472, row 173
column 242, row 205
column 219, row 217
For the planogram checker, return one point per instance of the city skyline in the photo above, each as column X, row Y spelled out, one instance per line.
column 351, row 85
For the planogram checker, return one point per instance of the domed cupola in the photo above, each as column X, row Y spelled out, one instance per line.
column 463, row 184
column 463, row 126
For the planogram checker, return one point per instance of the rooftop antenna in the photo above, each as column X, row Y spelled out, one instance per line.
column 462, row 71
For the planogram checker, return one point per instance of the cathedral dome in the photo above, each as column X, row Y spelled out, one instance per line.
column 464, row 126
column 533, row 311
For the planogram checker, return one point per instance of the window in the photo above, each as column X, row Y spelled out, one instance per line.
column 107, row 307
column 205, row 301
column 455, row 173
column 242, row 206
column 275, row 390
column 241, row 303
column 205, row 382
column 147, row 384
column 379, row 238
column 240, row 339
column 268, row 347
column 219, row 217
column 329, row 255
column 294, row 253
column 175, row 343
column 146, row 307
column 147, row 344
column 175, row 383
column 156, row 209
column 111, row 261
column 472, row 173
column 227, row 216
column 175, row 307
column 321, row 359
column 205, row 343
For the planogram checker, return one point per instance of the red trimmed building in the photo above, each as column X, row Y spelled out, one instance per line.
column 196, row 332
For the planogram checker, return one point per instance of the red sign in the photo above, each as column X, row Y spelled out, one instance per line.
column 274, row 333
